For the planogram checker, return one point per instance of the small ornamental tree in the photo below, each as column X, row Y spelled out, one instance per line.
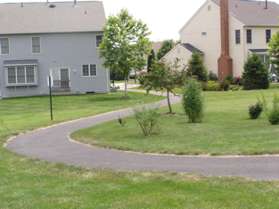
column 166, row 47
column 196, row 68
column 255, row 75
column 193, row 101
column 164, row 77
column 150, row 60
column 125, row 44
column 274, row 51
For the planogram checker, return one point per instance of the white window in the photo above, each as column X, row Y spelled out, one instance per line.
column 99, row 39
column 89, row 70
column 36, row 45
column 21, row 75
column 5, row 48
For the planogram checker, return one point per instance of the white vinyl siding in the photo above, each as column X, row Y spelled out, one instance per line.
column 89, row 70
column 5, row 48
column 21, row 75
column 36, row 45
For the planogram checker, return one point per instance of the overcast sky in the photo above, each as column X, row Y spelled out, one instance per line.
column 163, row 17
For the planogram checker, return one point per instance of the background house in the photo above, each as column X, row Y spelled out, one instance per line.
column 58, row 39
column 250, row 27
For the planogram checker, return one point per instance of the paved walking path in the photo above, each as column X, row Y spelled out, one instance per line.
column 54, row 145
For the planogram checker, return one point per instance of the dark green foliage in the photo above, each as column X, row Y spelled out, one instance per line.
column 274, row 51
column 256, row 110
column 255, row 74
column 150, row 60
column 147, row 119
column 193, row 101
column 273, row 115
column 166, row 47
column 196, row 68
column 225, row 85
column 212, row 76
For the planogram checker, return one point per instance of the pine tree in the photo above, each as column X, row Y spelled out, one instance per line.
column 255, row 75
column 196, row 68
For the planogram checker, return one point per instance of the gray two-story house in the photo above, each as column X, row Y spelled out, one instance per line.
column 61, row 40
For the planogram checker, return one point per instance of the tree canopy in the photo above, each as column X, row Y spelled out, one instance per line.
column 165, row 48
column 125, row 44
column 274, row 51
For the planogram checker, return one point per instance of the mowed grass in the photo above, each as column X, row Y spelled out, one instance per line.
column 32, row 184
column 226, row 130
column 21, row 114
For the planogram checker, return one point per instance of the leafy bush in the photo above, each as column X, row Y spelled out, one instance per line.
column 225, row 85
column 229, row 79
column 255, row 110
column 193, row 101
column 196, row 68
column 147, row 119
column 237, row 81
column 273, row 115
column 255, row 74
column 212, row 76
column 211, row 86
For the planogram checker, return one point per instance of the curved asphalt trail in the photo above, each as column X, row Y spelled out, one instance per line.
column 53, row 144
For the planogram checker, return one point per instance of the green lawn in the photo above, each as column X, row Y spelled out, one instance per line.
column 29, row 184
column 226, row 130
column 20, row 114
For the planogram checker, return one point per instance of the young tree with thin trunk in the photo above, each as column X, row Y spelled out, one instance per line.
column 164, row 77
column 125, row 44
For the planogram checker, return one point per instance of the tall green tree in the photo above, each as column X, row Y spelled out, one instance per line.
column 150, row 60
column 274, row 51
column 255, row 75
column 196, row 68
column 165, row 48
column 125, row 44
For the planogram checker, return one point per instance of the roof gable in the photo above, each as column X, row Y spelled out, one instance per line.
column 253, row 13
column 61, row 17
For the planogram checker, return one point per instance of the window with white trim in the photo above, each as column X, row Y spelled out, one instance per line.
column 21, row 75
column 89, row 70
column 99, row 39
column 5, row 48
column 36, row 45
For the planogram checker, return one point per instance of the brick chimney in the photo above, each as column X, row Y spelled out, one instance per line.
column 225, row 66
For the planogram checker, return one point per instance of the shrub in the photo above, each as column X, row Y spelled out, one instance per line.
column 147, row 119
column 196, row 68
column 255, row 74
column 237, row 81
column 193, row 101
column 255, row 110
column 212, row 76
column 273, row 115
column 225, row 85
column 211, row 86
column 229, row 78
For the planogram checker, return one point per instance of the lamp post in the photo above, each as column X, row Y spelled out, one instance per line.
column 50, row 98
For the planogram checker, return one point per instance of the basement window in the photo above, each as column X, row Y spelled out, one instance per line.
column 204, row 33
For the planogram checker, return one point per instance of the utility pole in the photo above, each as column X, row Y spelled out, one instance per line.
column 50, row 98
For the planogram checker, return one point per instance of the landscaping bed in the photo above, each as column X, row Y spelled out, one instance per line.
column 226, row 130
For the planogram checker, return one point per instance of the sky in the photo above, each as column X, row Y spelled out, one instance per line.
column 164, row 17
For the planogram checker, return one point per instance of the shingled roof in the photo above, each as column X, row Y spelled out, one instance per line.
column 58, row 17
column 253, row 13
